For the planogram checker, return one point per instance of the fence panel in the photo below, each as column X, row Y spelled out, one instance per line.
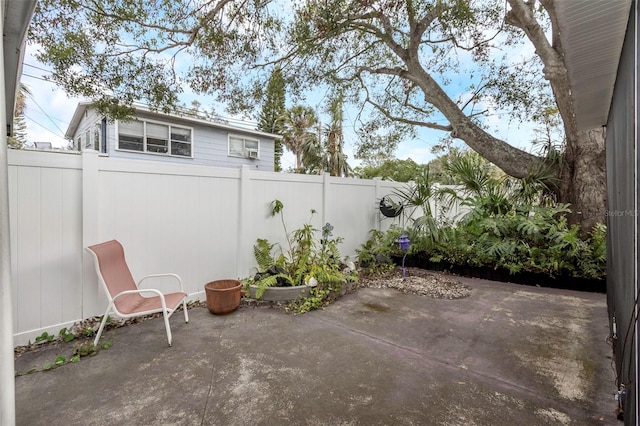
column 199, row 222
column 46, row 241
column 180, row 219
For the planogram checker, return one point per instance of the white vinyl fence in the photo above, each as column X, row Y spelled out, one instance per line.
column 199, row 222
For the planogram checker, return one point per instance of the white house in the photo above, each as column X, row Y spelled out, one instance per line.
column 172, row 138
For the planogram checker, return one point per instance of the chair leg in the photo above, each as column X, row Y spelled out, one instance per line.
column 102, row 324
column 166, row 325
column 184, row 308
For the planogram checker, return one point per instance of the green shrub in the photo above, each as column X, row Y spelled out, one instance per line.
column 308, row 256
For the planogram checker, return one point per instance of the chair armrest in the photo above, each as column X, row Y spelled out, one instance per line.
column 177, row 277
column 139, row 291
column 144, row 290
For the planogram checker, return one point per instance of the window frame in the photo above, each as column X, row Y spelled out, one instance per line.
column 245, row 139
column 169, row 141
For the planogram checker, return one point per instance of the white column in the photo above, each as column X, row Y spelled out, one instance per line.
column 7, row 381
column 376, row 201
column 243, row 247
column 92, row 303
column 326, row 204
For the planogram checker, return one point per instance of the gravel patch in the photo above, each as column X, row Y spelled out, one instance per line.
column 418, row 281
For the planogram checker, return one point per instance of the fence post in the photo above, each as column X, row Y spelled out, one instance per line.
column 377, row 196
column 326, row 204
column 244, row 219
column 90, row 232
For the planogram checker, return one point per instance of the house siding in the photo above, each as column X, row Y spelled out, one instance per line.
column 210, row 144
column 89, row 122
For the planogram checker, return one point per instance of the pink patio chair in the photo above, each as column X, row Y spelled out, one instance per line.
column 126, row 299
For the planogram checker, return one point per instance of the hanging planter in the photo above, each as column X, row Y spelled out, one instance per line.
column 223, row 296
column 388, row 208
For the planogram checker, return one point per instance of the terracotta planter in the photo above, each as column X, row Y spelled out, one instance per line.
column 223, row 296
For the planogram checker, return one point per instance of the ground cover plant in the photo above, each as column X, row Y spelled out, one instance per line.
column 75, row 343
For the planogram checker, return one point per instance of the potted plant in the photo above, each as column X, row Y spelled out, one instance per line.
column 311, row 267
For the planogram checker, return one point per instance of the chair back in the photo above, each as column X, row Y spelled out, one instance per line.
column 112, row 270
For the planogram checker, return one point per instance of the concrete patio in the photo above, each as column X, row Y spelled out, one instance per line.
column 509, row 354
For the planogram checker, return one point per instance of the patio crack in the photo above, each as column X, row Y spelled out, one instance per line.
column 211, row 380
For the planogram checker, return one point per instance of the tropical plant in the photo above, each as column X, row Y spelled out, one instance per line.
column 336, row 160
column 419, row 198
column 378, row 251
column 307, row 257
column 511, row 225
column 299, row 123
column 325, row 152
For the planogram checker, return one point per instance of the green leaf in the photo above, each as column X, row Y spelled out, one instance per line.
column 277, row 207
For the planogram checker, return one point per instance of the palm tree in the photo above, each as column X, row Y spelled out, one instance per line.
column 335, row 159
column 325, row 153
column 299, row 122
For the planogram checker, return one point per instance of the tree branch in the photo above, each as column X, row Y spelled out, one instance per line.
column 522, row 16
column 386, row 113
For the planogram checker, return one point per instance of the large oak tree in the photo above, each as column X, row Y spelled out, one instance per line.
column 438, row 64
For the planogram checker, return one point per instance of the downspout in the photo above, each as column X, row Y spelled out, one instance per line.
column 7, row 379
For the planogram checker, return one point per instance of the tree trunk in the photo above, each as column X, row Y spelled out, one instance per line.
column 583, row 179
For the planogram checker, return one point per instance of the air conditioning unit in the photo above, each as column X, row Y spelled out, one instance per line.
column 253, row 154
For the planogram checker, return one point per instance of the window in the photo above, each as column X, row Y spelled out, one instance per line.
column 242, row 147
column 157, row 138
column 180, row 141
column 131, row 135
column 87, row 140
column 96, row 138
column 90, row 139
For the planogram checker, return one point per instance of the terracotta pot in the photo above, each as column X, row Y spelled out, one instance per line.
column 223, row 296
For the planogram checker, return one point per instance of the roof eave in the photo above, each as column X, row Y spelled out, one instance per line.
column 592, row 34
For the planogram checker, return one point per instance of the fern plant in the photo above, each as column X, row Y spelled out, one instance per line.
column 307, row 257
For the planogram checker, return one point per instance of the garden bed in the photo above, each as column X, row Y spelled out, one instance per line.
column 503, row 275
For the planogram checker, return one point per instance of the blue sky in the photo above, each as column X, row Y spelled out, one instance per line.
column 49, row 111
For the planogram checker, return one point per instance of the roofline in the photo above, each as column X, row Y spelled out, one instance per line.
column 83, row 106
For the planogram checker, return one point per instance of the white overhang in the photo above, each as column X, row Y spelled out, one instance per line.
column 592, row 33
